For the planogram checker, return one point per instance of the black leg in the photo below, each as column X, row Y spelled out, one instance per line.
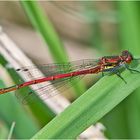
column 131, row 70
column 103, row 74
column 119, row 75
column 117, row 72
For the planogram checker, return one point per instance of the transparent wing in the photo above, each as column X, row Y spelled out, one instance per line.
column 46, row 90
column 58, row 68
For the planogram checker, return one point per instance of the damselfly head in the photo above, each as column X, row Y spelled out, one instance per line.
column 127, row 56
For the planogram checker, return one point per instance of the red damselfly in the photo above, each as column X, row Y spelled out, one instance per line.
column 59, row 74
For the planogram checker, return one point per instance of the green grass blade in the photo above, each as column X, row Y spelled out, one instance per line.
column 129, row 26
column 11, row 130
column 41, row 22
column 129, row 33
column 121, row 119
column 132, row 105
column 90, row 107
column 116, row 119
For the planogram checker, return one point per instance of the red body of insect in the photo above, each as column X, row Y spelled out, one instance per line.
column 104, row 64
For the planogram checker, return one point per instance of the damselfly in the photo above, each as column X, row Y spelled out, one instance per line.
column 58, row 74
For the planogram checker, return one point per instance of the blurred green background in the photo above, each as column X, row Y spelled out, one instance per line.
column 66, row 31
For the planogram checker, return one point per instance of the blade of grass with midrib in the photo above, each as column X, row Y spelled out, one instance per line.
column 90, row 107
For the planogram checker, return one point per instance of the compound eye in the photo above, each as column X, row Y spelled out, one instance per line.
column 124, row 53
column 128, row 60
